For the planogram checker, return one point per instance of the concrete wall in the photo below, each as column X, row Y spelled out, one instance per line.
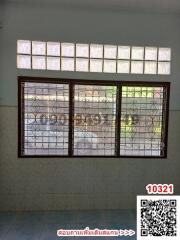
column 34, row 184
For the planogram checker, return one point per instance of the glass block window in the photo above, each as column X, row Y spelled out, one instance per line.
column 59, row 117
column 99, row 58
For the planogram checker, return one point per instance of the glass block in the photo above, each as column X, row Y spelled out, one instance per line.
column 95, row 65
column 110, row 51
column 24, row 61
column 137, row 53
column 137, row 67
column 164, row 54
column 150, row 53
column 124, row 52
column 53, row 63
column 67, row 49
column 110, row 66
column 150, row 67
column 53, row 48
column 123, row 66
column 38, row 48
column 82, row 50
column 82, row 65
column 164, row 68
column 24, row 46
column 39, row 62
column 67, row 64
column 96, row 51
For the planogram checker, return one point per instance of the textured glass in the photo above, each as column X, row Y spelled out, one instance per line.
column 110, row 66
column 38, row 48
column 67, row 49
column 137, row 53
column 95, row 65
column 53, row 48
column 24, row 61
column 39, row 62
column 123, row 66
column 142, row 121
column 164, row 54
column 94, row 120
column 110, row 51
column 82, row 50
column 124, row 52
column 164, row 68
column 98, row 57
column 150, row 67
column 137, row 67
column 53, row 63
column 46, row 118
column 151, row 53
column 24, row 46
column 67, row 64
column 96, row 51
column 82, row 65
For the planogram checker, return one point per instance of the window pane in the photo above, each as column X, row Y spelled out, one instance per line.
column 164, row 68
column 151, row 53
column 137, row 67
column 38, row 62
column 95, row 65
column 110, row 66
column 137, row 53
column 53, row 63
column 124, row 52
column 24, row 46
column 110, row 51
column 67, row 64
column 96, row 51
column 38, row 48
column 142, row 121
column 82, row 50
column 24, row 61
column 67, row 49
column 123, row 66
column 94, row 120
column 53, row 48
column 82, row 65
column 164, row 54
column 150, row 67
column 46, row 119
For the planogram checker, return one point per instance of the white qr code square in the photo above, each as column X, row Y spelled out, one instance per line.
column 158, row 217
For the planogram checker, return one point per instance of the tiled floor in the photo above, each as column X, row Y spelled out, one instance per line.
column 44, row 225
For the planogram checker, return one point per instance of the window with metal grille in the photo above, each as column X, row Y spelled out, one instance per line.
column 92, row 118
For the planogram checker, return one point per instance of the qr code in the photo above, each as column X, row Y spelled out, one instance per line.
column 158, row 217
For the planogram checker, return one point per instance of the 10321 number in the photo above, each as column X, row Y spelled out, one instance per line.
column 160, row 188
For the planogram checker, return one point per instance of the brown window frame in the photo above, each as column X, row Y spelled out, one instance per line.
column 72, row 82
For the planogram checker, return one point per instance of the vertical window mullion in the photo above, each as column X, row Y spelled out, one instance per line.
column 71, row 120
column 118, row 118
column 21, row 118
column 165, row 116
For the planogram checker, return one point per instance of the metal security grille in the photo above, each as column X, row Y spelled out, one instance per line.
column 46, row 118
column 94, row 120
column 59, row 117
column 142, row 121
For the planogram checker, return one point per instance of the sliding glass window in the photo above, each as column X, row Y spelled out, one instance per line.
column 72, row 118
